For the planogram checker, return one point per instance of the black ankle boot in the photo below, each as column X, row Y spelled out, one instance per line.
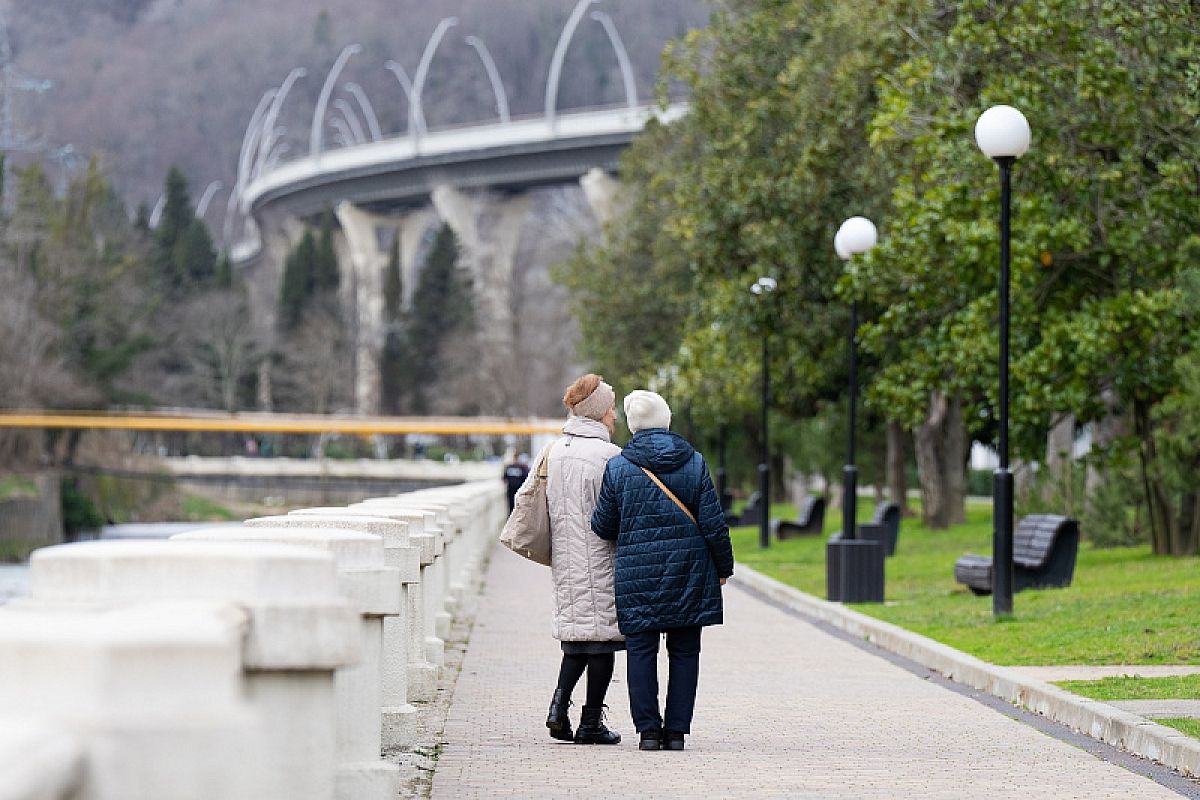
column 557, row 720
column 672, row 740
column 592, row 729
column 651, row 740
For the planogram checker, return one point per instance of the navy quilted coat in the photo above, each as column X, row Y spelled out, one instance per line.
column 667, row 571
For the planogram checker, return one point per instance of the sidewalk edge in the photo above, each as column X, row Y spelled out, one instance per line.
column 1099, row 720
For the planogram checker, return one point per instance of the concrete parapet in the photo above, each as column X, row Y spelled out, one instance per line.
column 440, row 602
column 376, row 591
column 425, row 652
column 300, row 629
column 38, row 761
column 398, row 716
column 151, row 694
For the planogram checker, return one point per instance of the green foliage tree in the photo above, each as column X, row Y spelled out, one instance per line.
column 298, row 281
column 392, row 361
column 442, row 306
column 804, row 112
column 1103, row 216
column 185, row 253
column 325, row 277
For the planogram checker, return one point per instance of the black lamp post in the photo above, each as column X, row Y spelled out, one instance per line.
column 854, row 567
column 1002, row 133
column 857, row 235
column 763, row 287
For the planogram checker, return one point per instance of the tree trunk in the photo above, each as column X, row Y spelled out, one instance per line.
column 1060, row 444
column 1158, row 509
column 940, row 446
column 1104, row 432
column 897, row 481
column 955, row 463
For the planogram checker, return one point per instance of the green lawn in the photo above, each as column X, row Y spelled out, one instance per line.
column 201, row 509
column 1189, row 726
column 1125, row 605
column 1126, row 688
column 13, row 487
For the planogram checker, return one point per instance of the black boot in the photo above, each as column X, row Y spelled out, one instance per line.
column 651, row 740
column 672, row 740
column 592, row 729
column 557, row 721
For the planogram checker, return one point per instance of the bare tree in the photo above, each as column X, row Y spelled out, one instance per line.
column 314, row 373
column 33, row 372
column 224, row 348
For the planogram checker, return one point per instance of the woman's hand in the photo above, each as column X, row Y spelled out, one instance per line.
column 723, row 581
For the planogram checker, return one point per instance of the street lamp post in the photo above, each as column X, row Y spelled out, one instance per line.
column 763, row 287
column 853, row 566
column 1003, row 135
column 856, row 235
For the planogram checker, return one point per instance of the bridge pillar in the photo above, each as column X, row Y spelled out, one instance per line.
column 489, row 229
column 367, row 264
column 368, row 257
column 602, row 192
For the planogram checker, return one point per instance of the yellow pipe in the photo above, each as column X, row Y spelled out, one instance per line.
column 276, row 423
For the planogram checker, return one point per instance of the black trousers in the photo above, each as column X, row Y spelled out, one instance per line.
column 683, row 653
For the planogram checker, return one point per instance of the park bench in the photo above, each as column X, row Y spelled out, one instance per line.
column 1044, row 549
column 811, row 519
column 751, row 515
column 884, row 527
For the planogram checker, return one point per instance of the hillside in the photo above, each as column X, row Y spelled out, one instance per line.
column 148, row 83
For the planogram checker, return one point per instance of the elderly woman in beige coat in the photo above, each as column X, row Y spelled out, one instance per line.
column 585, row 607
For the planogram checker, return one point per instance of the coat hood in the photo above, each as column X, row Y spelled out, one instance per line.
column 658, row 450
column 586, row 426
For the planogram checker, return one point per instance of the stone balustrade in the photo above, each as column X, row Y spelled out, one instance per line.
column 272, row 660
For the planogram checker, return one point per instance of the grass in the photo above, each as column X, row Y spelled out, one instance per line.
column 14, row 552
column 15, row 487
column 201, row 509
column 1125, row 606
column 1189, row 726
column 1183, row 687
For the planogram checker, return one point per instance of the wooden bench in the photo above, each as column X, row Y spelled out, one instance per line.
column 811, row 519
column 752, row 514
column 1044, row 550
column 884, row 527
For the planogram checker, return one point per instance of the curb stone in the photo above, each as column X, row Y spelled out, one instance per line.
column 1099, row 720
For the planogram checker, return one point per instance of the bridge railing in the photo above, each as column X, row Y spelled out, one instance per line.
column 273, row 660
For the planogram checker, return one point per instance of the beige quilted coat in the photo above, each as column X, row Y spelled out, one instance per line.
column 585, row 605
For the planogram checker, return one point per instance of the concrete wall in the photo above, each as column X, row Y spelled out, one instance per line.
column 272, row 661
column 28, row 522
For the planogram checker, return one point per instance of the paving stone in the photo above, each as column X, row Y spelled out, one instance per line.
column 784, row 710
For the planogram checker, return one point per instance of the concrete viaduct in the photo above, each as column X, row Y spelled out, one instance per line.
column 383, row 189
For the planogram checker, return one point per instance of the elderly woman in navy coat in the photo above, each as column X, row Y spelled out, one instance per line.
column 670, row 565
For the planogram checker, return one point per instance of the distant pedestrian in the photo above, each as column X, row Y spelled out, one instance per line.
column 585, row 614
column 515, row 474
column 673, row 555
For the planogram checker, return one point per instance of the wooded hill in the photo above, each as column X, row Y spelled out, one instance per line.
column 151, row 83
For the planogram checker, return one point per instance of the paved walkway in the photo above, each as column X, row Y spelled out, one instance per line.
column 784, row 710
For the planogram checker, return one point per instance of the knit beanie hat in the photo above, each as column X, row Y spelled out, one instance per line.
column 596, row 404
column 645, row 410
